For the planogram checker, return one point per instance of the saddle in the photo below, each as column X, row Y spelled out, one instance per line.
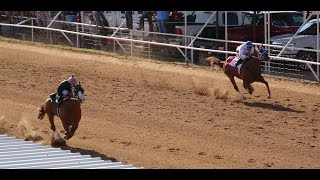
column 232, row 65
column 54, row 96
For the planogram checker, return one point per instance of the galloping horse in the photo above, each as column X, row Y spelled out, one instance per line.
column 69, row 111
column 250, row 70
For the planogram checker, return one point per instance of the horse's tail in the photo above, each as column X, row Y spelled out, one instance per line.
column 41, row 113
column 213, row 60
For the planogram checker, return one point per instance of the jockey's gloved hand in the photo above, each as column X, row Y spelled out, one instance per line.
column 262, row 49
column 248, row 55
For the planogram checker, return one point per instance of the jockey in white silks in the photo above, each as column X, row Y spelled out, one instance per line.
column 244, row 51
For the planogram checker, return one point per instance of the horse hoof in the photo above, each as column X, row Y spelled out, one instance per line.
column 57, row 142
column 56, row 135
column 269, row 97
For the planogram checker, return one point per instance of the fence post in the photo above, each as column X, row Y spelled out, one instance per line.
column 77, row 29
column 149, row 49
column 32, row 30
column 130, row 31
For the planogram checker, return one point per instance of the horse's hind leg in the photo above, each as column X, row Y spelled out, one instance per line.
column 248, row 87
column 235, row 86
column 261, row 79
column 51, row 120
column 251, row 88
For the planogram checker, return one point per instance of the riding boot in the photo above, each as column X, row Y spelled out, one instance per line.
column 240, row 61
column 59, row 100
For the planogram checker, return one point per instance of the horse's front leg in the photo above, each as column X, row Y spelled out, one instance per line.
column 235, row 86
column 56, row 134
column 262, row 80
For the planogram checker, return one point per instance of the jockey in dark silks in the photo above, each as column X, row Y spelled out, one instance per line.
column 65, row 88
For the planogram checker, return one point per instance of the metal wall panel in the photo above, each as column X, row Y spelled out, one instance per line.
column 20, row 154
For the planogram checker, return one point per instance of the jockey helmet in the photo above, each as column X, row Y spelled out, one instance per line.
column 249, row 44
column 73, row 80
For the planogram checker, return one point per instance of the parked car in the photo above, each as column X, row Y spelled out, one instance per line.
column 306, row 38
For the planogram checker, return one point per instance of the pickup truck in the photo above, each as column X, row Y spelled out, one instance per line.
column 240, row 26
column 213, row 29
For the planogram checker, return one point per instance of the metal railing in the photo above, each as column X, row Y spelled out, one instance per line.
column 173, row 41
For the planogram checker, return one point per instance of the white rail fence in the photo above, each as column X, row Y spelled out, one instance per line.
column 130, row 38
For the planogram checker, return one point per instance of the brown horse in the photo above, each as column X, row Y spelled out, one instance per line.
column 249, row 72
column 69, row 111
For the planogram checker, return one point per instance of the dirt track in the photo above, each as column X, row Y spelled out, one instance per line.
column 162, row 115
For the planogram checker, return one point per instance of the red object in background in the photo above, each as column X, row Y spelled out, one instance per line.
column 109, row 41
column 177, row 16
column 79, row 18
column 178, row 31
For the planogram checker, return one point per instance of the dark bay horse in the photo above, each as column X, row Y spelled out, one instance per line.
column 250, row 70
column 69, row 111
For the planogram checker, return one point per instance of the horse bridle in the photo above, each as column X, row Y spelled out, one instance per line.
column 77, row 89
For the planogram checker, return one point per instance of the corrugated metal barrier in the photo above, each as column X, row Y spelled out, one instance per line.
column 20, row 154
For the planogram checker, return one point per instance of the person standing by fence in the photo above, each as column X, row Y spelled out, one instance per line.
column 148, row 15
column 162, row 17
column 129, row 20
column 101, row 21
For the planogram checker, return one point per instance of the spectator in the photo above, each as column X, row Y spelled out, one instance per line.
column 101, row 21
column 92, row 21
column 70, row 16
column 148, row 15
column 94, row 30
column 129, row 20
column 162, row 17
column 40, row 18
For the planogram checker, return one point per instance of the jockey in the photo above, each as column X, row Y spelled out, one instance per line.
column 244, row 51
column 65, row 88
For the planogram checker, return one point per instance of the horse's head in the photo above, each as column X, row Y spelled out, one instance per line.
column 79, row 92
column 263, row 54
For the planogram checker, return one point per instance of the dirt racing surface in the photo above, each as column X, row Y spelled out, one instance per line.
column 161, row 115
